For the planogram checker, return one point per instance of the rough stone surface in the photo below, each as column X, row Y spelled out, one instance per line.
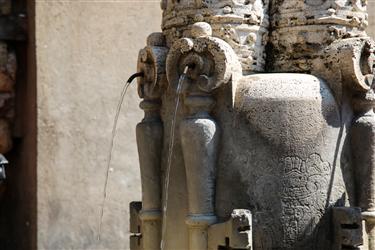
column 302, row 30
column 348, row 231
column 242, row 24
column 85, row 52
column 371, row 29
column 236, row 233
column 290, row 144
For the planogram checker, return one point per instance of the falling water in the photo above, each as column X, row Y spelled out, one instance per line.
column 170, row 154
column 114, row 130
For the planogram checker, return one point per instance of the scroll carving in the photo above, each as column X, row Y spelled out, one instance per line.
column 211, row 64
column 150, row 137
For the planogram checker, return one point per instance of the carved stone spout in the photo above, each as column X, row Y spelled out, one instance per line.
column 209, row 65
column 150, row 137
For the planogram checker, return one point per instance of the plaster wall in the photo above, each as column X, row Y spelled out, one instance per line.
column 371, row 12
column 85, row 52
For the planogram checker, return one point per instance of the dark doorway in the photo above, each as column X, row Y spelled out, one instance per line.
column 18, row 199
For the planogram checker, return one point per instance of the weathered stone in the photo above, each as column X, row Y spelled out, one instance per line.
column 303, row 29
column 348, row 231
column 236, row 233
column 283, row 146
column 286, row 164
column 242, row 24
column 151, row 62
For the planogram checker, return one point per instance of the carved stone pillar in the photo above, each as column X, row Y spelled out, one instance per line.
column 200, row 138
column 150, row 138
column 211, row 64
column 363, row 146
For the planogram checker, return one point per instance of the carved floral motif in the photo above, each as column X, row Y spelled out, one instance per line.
column 299, row 191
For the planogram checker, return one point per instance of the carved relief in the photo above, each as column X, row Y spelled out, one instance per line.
column 304, row 190
column 304, row 29
column 212, row 62
column 242, row 24
column 151, row 61
column 298, row 191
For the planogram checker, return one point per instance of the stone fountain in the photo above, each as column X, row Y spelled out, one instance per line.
column 259, row 130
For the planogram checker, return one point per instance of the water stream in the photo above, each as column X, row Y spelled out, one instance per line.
column 170, row 154
column 110, row 152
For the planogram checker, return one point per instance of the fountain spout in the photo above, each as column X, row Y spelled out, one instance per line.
column 200, row 133
column 3, row 163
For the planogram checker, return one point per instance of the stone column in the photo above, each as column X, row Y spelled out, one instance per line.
column 363, row 146
column 199, row 138
column 150, row 138
column 211, row 63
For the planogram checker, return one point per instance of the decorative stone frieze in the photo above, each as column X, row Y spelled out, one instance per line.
column 242, row 24
column 302, row 30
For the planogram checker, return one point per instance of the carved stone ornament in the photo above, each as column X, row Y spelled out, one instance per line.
column 242, row 24
column 151, row 61
column 265, row 139
column 212, row 61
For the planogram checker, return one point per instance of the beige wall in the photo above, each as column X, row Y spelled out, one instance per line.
column 85, row 51
column 372, row 18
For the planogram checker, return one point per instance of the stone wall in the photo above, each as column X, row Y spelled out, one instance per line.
column 372, row 18
column 85, row 52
